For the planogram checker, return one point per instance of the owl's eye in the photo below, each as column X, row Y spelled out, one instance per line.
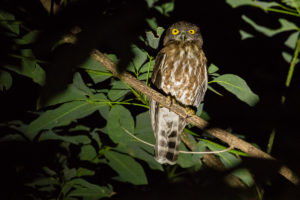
column 192, row 31
column 175, row 31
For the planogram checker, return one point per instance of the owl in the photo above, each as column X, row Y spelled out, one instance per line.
column 179, row 73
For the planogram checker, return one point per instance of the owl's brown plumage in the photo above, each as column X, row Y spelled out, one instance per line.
column 179, row 72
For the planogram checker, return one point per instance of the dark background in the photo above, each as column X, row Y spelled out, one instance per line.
column 257, row 60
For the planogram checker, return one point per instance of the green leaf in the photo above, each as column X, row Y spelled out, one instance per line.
column 5, row 80
column 144, row 68
column 292, row 3
column 244, row 175
column 29, row 68
column 104, row 112
column 213, row 90
column 288, row 57
column 139, row 58
column 152, row 23
column 212, row 68
column 69, row 173
column 8, row 21
column 137, row 150
column 118, row 90
column 95, row 136
column 79, row 127
column 152, row 40
column 292, row 40
column 82, row 188
column 29, row 38
column 119, row 116
column 245, row 35
column 63, row 115
column 228, row 159
column 238, row 87
column 71, row 93
column 185, row 160
column 237, row 3
column 143, row 130
column 97, row 71
column 150, row 3
column 43, row 184
column 87, row 152
column 191, row 160
column 128, row 169
column 77, row 139
column 80, row 85
column 143, row 127
column 160, row 31
column 165, row 8
column 144, row 76
column 285, row 26
column 84, row 172
column 262, row 5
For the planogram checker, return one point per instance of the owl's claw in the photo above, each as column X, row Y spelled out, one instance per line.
column 189, row 111
column 171, row 100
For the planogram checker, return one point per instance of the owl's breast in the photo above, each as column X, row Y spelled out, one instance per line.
column 182, row 72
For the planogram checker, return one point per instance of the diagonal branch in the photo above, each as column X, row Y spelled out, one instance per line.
column 223, row 135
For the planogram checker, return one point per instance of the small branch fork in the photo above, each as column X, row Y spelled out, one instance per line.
column 221, row 134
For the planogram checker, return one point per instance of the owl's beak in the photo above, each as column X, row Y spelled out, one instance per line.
column 182, row 36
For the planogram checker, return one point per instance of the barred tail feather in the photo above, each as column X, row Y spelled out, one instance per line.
column 167, row 127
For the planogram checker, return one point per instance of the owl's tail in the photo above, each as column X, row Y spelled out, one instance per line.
column 167, row 127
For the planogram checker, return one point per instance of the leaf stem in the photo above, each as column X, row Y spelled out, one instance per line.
column 240, row 153
column 283, row 12
column 292, row 65
column 271, row 141
column 28, row 58
column 148, row 72
column 125, row 103
column 286, row 8
column 215, row 144
column 100, row 73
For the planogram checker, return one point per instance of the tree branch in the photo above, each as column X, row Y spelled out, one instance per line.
column 223, row 135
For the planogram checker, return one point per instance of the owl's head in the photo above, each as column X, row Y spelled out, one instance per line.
column 183, row 31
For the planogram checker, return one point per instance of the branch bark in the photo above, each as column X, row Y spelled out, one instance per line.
column 223, row 135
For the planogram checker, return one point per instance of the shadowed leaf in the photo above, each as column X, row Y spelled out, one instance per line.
column 128, row 169
column 63, row 115
column 238, row 87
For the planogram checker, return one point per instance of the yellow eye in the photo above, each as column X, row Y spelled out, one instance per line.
column 175, row 31
column 192, row 31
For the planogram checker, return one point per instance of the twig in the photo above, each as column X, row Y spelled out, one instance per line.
column 184, row 152
column 223, row 135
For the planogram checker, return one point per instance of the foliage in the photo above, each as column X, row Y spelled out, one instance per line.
column 288, row 7
column 115, row 105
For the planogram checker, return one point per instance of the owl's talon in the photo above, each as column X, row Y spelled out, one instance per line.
column 170, row 100
column 189, row 111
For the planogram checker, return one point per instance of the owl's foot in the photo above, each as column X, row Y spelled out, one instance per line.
column 170, row 100
column 189, row 111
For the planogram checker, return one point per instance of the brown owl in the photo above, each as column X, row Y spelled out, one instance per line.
column 180, row 73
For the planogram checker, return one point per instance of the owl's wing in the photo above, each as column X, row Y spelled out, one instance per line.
column 156, row 80
column 159, row 63
column 203, row 85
